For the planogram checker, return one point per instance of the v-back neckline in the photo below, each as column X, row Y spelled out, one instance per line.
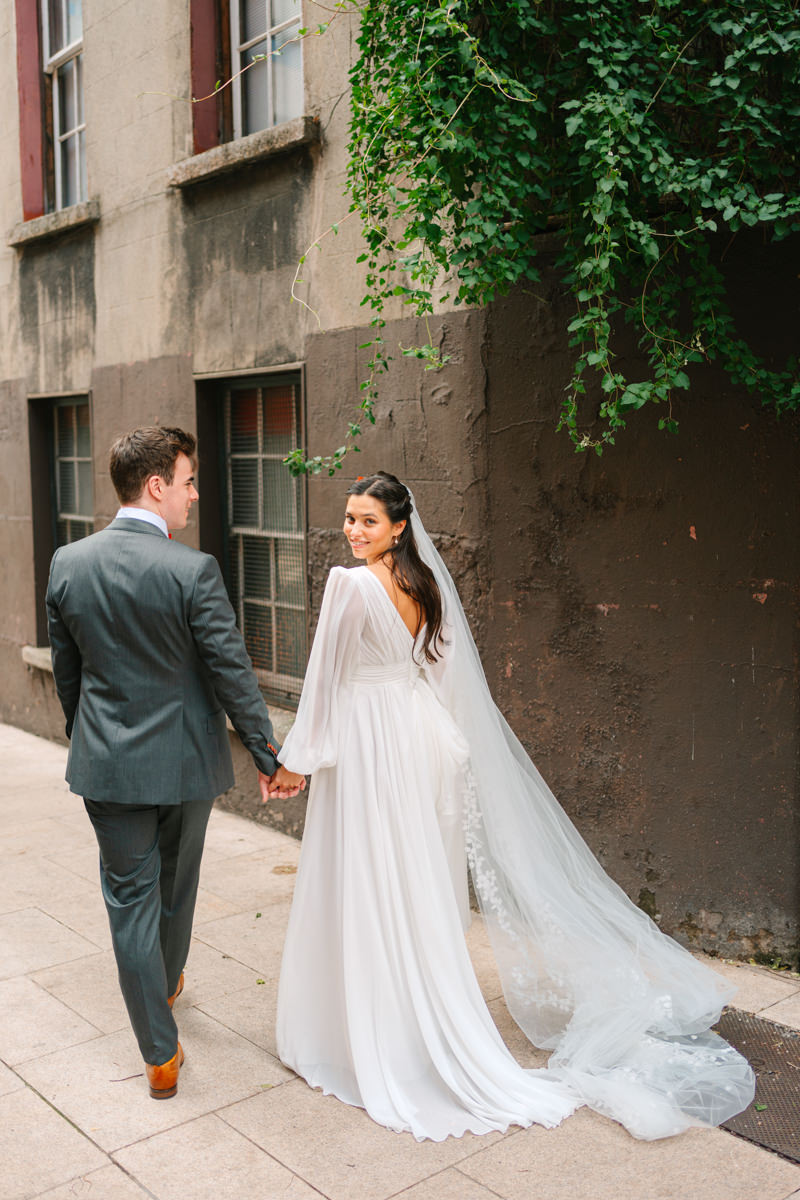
column 395, row 609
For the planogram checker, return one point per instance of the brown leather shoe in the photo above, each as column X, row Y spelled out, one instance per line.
column 163, row 1079
column 171, row 999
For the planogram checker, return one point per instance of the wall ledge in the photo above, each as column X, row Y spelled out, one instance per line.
column 52, row 224
column 38, row 657
column 256, row 147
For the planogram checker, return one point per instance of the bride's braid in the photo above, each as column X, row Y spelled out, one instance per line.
column 412, row 575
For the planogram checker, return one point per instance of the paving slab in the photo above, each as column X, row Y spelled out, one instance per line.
column 26, row 836
column 184, row 1162
column 88, row 986
column 593, row 1157
column 212, row 974
column 101, row 1088
column 35, row 1023
column 785, row 1012
column 337, row 1148
column 254, row 880
column 109, row 1183
column 31, row 880
column 30, row 940
column 9, row 1081
column 82, row 860
column 251, row 1013
column 230, row 835
column 450, row 1184
column 482, row 956
column 38, row 1148
column 27, row 802
column 757, row 987
column 256, row 941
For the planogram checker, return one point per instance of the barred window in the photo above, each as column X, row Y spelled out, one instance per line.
column 265, row 530
column 72, row 470
column 62, row 29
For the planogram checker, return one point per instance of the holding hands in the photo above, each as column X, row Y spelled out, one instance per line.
column 283, row 785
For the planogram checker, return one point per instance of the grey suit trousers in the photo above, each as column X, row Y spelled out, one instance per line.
column 149, row 869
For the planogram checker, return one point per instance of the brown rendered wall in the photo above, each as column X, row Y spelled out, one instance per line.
column 643, row 623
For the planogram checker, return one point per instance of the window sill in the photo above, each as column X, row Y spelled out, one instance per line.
column 52, row 224
column 256, row 147
column 38, row 657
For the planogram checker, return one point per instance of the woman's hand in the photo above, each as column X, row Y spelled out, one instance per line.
column 283, row 785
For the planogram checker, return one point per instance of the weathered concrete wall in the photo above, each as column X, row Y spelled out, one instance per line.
column 643, row 629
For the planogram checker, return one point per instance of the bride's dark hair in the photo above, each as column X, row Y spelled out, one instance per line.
column 411, row 574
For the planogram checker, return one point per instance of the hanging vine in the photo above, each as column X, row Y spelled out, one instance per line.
column 644, row 132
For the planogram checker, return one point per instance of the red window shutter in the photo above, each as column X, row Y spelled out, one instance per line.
column 31, row 91
column 205, row 57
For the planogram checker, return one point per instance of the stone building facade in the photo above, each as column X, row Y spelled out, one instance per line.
column 637, row 614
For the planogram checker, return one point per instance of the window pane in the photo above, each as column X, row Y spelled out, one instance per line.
column 287, row 76
column 279, row 407
column 284, row 10
column 74, row 20
column 256, row 568
column 258, row 635
column 67, row 107
column 85, row 502
column 233, row 573
column 67, row 497
column 280, row 497
column 55, row 21
column 244, row 421
column 65, row 430
column 289, row 572
column 244, row 483
column 84, row 448
column 255, row 85
column 79, row 85
column 254, row 18
column 69, row 171
column 290, row 640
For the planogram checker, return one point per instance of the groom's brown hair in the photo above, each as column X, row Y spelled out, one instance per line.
column 152, row 450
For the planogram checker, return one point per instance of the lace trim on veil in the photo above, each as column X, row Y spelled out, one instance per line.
column 625, row 1010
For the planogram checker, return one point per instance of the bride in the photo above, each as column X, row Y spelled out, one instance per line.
column 416, row 774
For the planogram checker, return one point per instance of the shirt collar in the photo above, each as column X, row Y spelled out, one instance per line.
column 143, row 514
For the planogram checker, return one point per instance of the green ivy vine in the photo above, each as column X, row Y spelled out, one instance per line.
column 643, row 133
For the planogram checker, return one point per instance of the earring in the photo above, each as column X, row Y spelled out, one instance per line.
column 394, row 540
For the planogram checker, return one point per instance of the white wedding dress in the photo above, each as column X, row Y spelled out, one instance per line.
column 414, row 771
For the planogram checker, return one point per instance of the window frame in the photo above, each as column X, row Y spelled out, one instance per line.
column 56, row 459
column 279, row 688
column 52, row 65
column 239, row 48
column 42, row 446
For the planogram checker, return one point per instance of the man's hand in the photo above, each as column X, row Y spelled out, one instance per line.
column 283, row 785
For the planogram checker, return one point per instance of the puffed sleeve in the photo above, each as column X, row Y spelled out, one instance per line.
column 312, row 742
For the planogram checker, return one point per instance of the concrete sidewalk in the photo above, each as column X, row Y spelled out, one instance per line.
column 75, row 1116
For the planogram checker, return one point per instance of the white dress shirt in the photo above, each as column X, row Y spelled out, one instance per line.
column 143, row 514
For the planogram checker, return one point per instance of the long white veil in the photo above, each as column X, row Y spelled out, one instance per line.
column 625, row 1010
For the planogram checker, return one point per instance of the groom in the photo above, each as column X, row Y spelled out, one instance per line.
column 147, row 660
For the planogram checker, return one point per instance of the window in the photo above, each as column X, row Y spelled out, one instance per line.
column 227, row 36
column 62, row 38
column 265, row 529
column 62, row 489
column 270, row 91
column 72, row 472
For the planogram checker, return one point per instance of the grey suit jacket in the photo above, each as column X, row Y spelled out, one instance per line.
column 147, row 659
